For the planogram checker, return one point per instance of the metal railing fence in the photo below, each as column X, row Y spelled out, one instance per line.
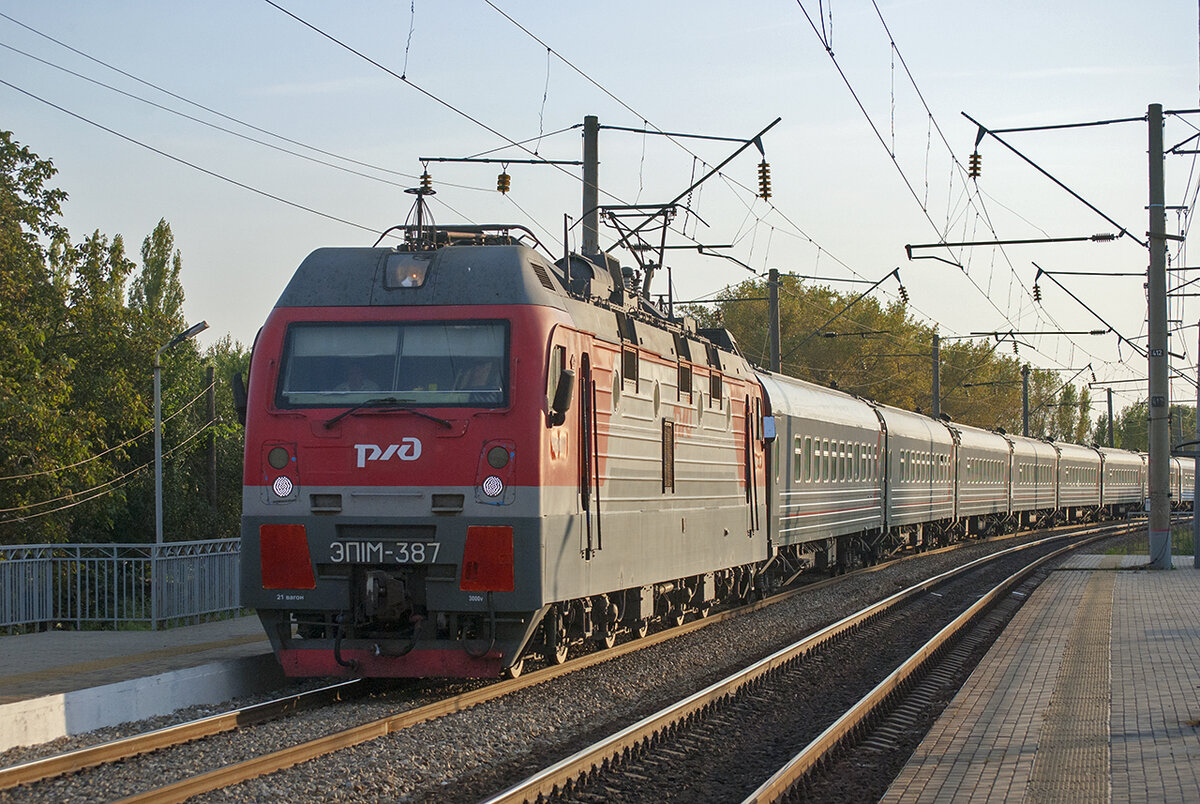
column 117, row 585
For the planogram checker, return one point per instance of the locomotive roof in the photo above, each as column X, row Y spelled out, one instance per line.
column 354, row 277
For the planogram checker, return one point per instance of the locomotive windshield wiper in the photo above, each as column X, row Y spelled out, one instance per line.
column 380, row 401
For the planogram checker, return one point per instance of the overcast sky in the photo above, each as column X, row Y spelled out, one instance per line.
column 865, row 160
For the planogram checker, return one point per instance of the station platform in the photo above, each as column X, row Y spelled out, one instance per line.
column 59, row 683
column 1091, row 694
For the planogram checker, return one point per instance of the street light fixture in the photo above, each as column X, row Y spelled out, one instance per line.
column 188, row 333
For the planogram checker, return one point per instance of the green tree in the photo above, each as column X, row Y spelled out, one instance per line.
column 879, row 352
column 35, row 434
column 79, row 327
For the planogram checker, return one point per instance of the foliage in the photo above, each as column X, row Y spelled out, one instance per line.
column 879, row 352
column 79, row 327
column 1133, row 427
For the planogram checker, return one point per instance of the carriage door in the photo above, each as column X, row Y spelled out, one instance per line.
column 589, row 473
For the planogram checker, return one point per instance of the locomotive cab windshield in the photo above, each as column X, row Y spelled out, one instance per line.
column 426, row 364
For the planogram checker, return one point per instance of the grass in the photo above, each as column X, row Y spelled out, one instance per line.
column 1139, row 543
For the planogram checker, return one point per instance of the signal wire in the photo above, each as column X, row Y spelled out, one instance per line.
column 208, row 109
column 192, row 165
column 230, row 131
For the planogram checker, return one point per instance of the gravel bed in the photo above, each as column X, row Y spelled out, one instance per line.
column 463, row 756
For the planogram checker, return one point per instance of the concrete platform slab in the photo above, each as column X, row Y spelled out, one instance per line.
column 59, row 683
column 1088, row 695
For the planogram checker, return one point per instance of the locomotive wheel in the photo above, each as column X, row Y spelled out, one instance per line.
column 516, row 668
column 606, row 638
column 606, row 629
column 556, row 645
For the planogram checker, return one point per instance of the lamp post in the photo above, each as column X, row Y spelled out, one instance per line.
column 190, row 332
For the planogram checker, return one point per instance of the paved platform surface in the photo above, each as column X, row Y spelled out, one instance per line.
column 59, row 683
column 1092, row 694
column 50, row 662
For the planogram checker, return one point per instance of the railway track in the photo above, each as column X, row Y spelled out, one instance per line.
column 720, row 742
column 301, row 750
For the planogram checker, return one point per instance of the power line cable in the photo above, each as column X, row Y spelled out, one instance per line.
column 192, row 165
column 230, row 131
column 201, row 106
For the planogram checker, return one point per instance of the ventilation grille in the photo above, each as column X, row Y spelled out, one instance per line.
column 544, row 276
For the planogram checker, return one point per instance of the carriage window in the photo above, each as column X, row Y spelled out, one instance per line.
column 798, row 459
column 441, row 363
column 808, row 459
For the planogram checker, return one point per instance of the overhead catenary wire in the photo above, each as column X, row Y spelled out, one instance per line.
column 198, row 105
column 192, row 165
column 233, row 133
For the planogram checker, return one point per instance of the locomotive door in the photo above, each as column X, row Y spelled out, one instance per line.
column 751, row 415
column 589, row 461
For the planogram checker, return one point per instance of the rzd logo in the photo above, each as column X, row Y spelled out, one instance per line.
column 409, row 449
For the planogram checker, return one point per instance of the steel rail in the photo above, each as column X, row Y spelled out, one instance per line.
column 302, row 752
column 115, row 750
column 848, row 725
column 167, row 737
column 564, row 773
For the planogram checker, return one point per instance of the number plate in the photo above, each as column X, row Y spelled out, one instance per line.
column 379, row 552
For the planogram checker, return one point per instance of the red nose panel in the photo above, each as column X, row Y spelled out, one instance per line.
column 285, row 561
column 488, row 559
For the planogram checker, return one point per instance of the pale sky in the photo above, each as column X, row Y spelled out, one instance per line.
column 840, row 207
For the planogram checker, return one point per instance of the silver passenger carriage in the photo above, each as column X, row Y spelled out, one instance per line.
column 1078, row 481
column 1124, row 485
column 826, row 477
column 984, row 468
column 1034, row 479
column 920, row 474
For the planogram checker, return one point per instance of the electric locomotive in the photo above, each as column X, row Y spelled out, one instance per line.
column 459, row 453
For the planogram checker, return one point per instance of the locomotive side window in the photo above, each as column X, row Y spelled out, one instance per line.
column 558, row 362
column 443, row 363
column 668, row 456
column 629, row 365
column 685, row 381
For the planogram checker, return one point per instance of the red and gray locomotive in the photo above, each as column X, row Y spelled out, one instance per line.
column 459, row 453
